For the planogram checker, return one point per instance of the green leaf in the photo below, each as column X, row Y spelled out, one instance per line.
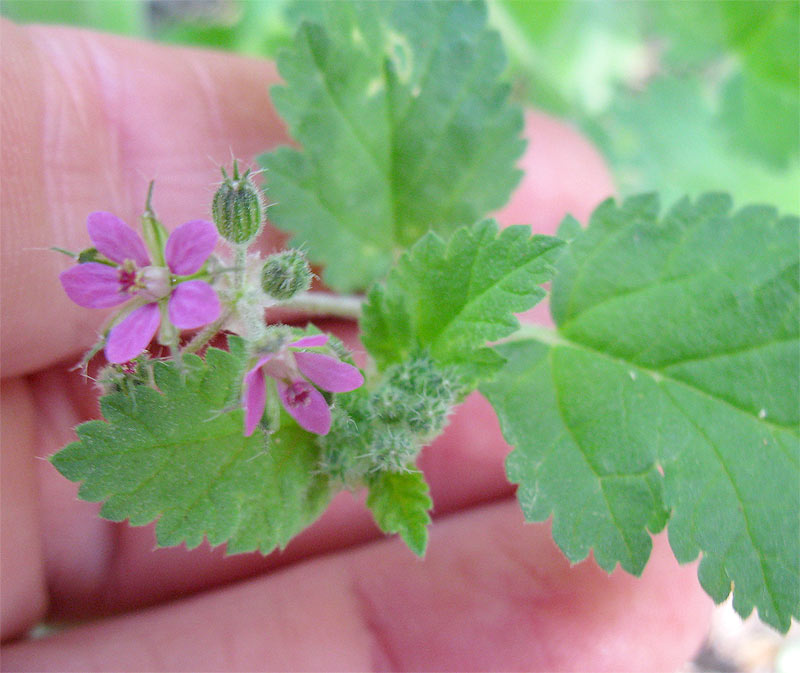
column 175, row 455
column 124, row 18
column 760, row 106
column 400, row 501
column 404, row 126
column 255, row 27
column 762, row 118
column 767, row 36
column 452, row 297
column 671, row 386
column 668, row 138
column 571, row 56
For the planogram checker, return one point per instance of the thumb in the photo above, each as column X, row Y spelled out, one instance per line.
column 87, row 121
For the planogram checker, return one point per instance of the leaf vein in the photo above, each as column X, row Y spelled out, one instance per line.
column 212, row 482
column 595, row 473
column 422, row 166
column 349, row 123
column 737, row 493
column 658, row 375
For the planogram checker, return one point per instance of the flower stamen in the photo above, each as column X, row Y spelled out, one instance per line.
column 127, row 274
column 298, row 394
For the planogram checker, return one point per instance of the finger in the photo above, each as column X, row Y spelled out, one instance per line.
column 22, row 582
column 93, row 119
column 493, row 594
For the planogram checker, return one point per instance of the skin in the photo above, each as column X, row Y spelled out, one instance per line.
column 87, row 121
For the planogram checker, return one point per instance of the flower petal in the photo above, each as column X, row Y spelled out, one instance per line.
column 189, row 246
column 93, row 285
column 130, row 337
column 310, row 341
column 193, row 304
column 254, row 399
column 329, row 373
column 306, row 405
column 115, row 239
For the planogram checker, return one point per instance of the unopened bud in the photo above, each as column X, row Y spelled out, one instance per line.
column 344, row 457
column 418, row 394
column 238, row 208
column 121, row 378
column 389, row 404
column 394, row 449
column 285, row 274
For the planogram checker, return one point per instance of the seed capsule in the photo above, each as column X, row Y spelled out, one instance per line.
column 284, row 274
column 238, row 208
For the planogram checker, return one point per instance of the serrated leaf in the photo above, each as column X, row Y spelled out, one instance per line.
column 677, row 353
column 404, row 126
column 151, row 459
column 400, row 502
column 452, row 297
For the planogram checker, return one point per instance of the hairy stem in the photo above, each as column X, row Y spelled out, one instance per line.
column 168, row 335
column 206, row 334
column 326, row 304
column 240, row 263
column 313, row 303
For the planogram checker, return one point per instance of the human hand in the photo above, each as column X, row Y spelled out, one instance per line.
column 88, row 120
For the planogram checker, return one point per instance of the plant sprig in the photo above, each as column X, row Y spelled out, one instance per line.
column 667, row 395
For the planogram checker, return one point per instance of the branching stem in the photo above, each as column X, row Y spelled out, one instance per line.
column 326, row 304
column 206, row 334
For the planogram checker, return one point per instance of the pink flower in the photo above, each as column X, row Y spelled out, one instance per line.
column 292, row 371
column 191, row 303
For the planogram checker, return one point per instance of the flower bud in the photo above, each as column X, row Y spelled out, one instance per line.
column 389, row 404
column 394, row 449
column 342, row 456
column 285, row 274
column 417, row 394
column 238, row 208
column 122, row 378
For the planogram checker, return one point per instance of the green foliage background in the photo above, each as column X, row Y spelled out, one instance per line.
column 681, row 97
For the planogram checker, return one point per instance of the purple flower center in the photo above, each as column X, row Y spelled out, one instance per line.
column 127, row 277
column 296, row 373
column 298, row 394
